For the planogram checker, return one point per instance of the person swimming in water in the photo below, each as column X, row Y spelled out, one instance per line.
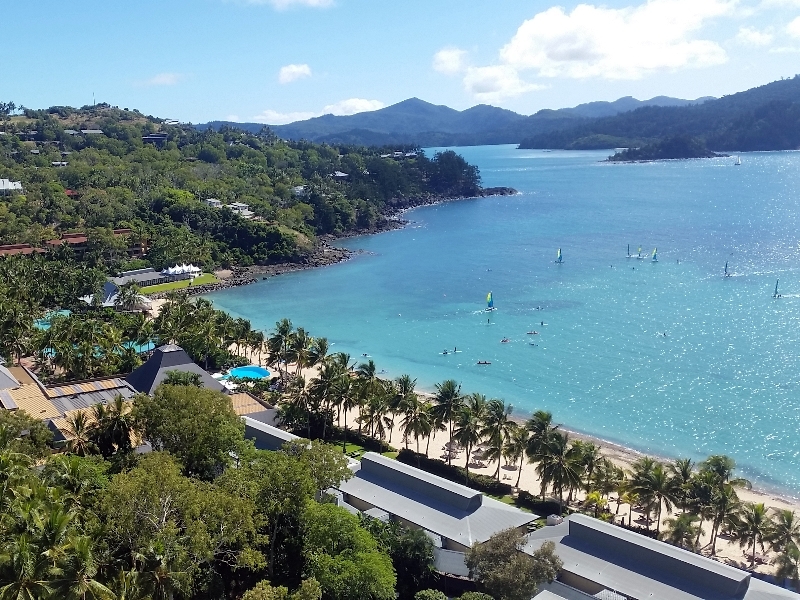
column 504, row 341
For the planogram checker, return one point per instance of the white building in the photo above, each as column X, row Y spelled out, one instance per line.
column 213, row 202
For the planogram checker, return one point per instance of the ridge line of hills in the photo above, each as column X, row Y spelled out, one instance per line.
column 766, row 117
column 418, row 122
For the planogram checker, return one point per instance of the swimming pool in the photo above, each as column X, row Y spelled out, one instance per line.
column 249, row 372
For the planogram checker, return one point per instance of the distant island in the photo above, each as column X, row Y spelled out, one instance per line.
column 760, row 119
column 675, row 147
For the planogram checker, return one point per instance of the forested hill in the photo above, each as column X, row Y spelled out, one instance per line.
column 763, row 118
column 421, row 123
column 152, row 176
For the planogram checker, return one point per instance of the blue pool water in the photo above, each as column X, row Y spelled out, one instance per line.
column 725, row 379
column 250, row 371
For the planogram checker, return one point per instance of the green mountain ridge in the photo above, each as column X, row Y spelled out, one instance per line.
column 762, row 118
column 421, row 123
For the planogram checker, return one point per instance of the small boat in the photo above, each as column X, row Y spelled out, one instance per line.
column 655, row 255
column 726, row 270
column 629, row 251
column 639, row 254
column 505, row 341
column 484, row 362
column 559, row 258
column 489, row 302
column 738, row 161
column 775, row 294
column 533, row 333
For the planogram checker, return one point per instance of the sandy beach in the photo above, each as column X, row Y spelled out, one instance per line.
column 726, row 551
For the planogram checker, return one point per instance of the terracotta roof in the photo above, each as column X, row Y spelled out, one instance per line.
column 13, row 249
column 30, row 398
column 245, row 404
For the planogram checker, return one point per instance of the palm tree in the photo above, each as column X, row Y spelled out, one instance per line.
column 127, row 296
column 80, row 429
column 655, row 483
column 300, row 348
column 26, row 570
column 722, row 467
column 417, row 422
column 497, row 425
column 785, row 531
column 591, row 458
column 594, row 500
column 278, row 344
column 448, row 402
column 681, row 531
column 404, row 395
column 751, row 527
column 468, row 430
column 723, row 509
column 558, row 464
column 318, row 351
column 77, row 576
column 541, row 429
column 681, row 471
column 787, row 566
column 514, row 450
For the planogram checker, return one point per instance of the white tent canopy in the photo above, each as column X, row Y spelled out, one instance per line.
column 183, row 269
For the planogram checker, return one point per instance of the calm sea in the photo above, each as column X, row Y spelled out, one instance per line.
column 724, row 379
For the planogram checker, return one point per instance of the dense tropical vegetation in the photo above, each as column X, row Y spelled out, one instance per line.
column 155, row 187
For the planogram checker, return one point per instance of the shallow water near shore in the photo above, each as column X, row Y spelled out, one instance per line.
column 724, row 379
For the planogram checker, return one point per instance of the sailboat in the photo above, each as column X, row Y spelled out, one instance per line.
column 655, row 254
column 559, row 258
column 629, row 251
column 738, row 161
column 639, row 254
column 775, row 294
column 489, row 302
column 726, row 269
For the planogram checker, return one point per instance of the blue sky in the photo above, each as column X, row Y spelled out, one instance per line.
column 278, row 60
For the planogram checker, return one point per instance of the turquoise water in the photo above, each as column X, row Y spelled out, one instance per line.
column 725, row 379
column 250, row 372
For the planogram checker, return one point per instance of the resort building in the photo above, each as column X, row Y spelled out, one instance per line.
column 213, row 202
column 458, row 515
column 14, row 249
column 165, row 359
column 7, row 186
column 241, row 209
column 608, row 562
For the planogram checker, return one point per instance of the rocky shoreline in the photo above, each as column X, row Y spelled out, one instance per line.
column 325, row 253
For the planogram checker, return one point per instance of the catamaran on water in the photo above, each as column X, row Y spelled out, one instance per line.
column 559, row 258
column 639, row 253
column 490, row 302
column 655, row 254
column 726, row 270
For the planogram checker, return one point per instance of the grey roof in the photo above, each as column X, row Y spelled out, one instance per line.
column 137, row 276
column 266, row 437
column 69, row 397
column 164, row 359
column 555, row 590
column 6, row 401
column 7, row 380
column 640, row 567
column 448, row 509
column 448, row 561
column 268, row 416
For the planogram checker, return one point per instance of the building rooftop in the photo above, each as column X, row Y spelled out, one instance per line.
column 266, row 437
column 636, row 566
column 85, row 394
column 164, row 359
column 448, row 509
column 7, row 379
column 245, row 404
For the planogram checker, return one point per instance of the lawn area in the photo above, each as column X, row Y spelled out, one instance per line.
column 177, row 285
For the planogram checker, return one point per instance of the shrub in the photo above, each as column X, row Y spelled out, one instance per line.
column 532, row 503
column 430, row 595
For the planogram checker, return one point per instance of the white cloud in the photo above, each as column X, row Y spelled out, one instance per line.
column 449, row 61
column 284, row 4
column 494, row 83
column 753, row 37
column 625, row 43
column 162, row 79
column 350, row 106
column 793, row 28
column 291, row 73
